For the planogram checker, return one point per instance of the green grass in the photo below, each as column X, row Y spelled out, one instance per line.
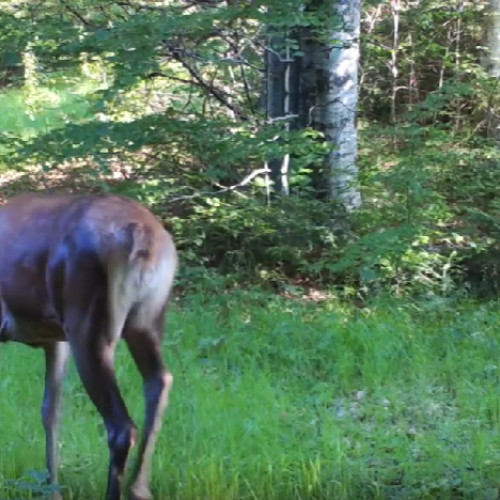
column 51, row 107
column 27, row 111
column 277, row 399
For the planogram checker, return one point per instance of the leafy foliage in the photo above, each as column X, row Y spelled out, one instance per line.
column 162, row 102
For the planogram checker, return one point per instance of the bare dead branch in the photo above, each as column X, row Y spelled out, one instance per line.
column 227, row 189
column 158, row 74
column 247, row 88
column 281, row 118
column 75, row 13
column 212, row 90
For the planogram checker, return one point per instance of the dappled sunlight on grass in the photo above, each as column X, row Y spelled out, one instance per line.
column 28, row 114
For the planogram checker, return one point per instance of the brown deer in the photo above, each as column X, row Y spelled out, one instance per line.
column 77, row 273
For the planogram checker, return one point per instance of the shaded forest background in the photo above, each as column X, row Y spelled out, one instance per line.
column 163, row 101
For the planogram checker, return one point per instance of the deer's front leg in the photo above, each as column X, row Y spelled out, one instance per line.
column 56, row 360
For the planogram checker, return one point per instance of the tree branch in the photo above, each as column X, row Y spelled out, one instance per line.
column 75, row 13
column 227, row 189
column 159, row 74
column 216, row 93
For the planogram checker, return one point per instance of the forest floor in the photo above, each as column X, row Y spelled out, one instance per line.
column 278, row 398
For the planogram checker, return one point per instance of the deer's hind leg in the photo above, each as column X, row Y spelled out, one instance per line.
column 86, row 322
column 56, row 358
column 145, row 347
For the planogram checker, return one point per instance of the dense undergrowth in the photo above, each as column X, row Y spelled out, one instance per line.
column 428, row 220
column 104, row 100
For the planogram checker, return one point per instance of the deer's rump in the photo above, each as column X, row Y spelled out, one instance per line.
column 57, row 250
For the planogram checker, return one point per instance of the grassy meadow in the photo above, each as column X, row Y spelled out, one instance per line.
column 287, row 399
column 27, row 114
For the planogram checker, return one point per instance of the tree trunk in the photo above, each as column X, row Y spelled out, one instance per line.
column 491, row 61
column 281, row 90
column 396, row 8
column 275, row 101
column 329, row 94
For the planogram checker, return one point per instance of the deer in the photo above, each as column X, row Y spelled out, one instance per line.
column 78, row 273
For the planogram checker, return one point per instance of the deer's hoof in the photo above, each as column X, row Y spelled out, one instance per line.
column 138, row 492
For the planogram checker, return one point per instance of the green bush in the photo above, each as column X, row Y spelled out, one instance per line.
column 246, row 237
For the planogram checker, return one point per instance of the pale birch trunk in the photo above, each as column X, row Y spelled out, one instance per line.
column 458, row 57
column 396, row 9
column 329, row 94
column 491, row 61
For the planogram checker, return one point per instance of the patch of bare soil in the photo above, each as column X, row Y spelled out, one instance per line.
column 68, row 177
